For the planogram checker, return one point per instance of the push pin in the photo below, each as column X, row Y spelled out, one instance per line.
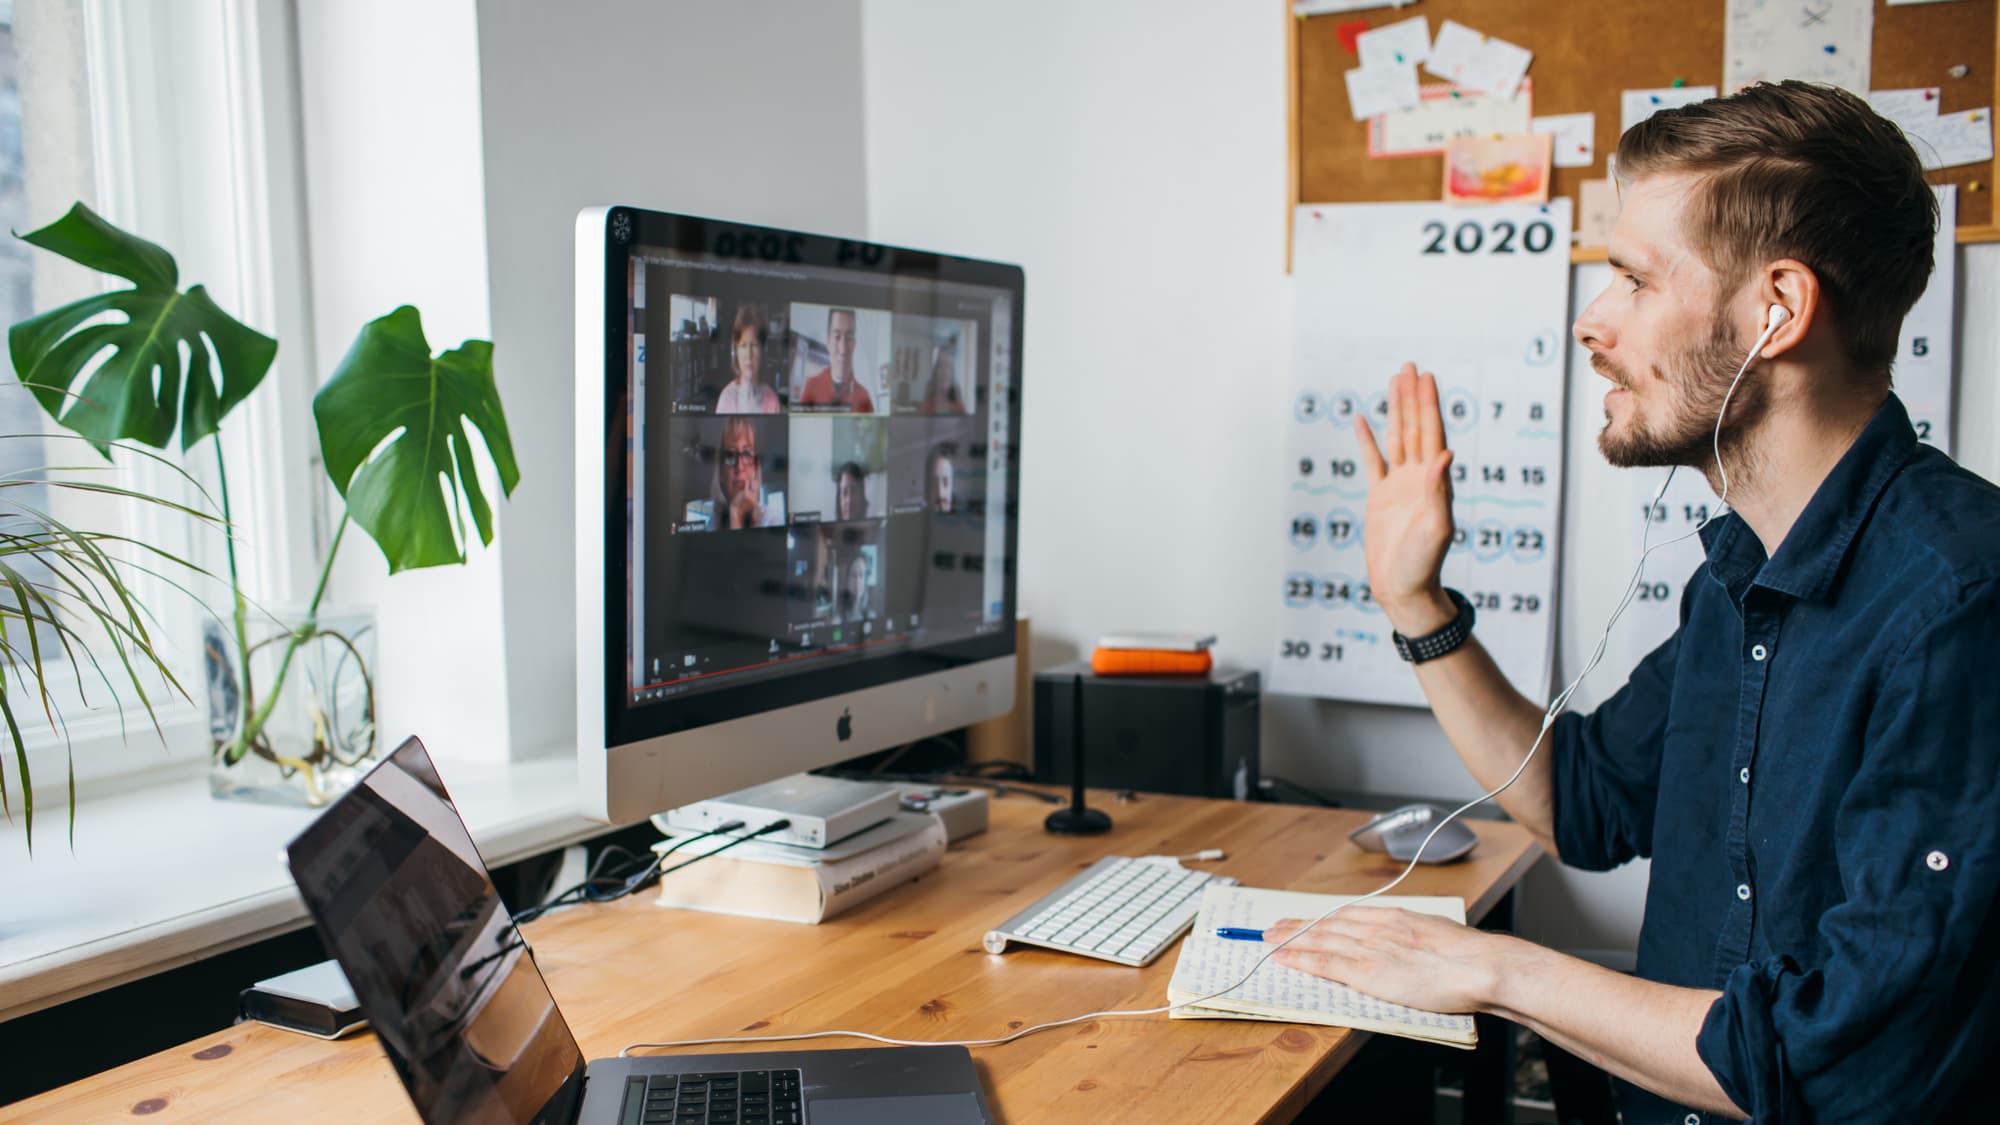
column 1830, row 49
column 1974, row 186
column 1678, row 83
column 1959, row 71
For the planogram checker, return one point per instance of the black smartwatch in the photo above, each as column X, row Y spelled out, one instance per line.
column 1430, row 646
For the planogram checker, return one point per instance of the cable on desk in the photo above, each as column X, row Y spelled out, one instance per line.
column 593, row 887
column 1555, row 708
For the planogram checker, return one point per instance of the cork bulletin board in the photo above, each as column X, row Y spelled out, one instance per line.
column 1586, row 53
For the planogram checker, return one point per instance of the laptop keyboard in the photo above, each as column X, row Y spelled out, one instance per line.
column 747, row 1097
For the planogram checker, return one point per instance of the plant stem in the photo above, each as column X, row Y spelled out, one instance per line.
column 299, row 635
column 239, row 607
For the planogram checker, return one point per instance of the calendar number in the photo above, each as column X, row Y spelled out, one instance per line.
column 1470, row 237
column 1653, row 591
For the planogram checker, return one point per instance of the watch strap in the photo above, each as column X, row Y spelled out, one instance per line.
column 1442, row 641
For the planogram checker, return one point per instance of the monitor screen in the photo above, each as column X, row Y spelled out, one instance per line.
column 814, row 490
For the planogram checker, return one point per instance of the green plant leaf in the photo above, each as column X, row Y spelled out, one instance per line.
column 140, row 390
column 393, row 433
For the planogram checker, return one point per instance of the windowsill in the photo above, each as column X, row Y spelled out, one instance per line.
column 167, row 875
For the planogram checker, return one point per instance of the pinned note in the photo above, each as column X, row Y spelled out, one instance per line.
column 1445, row 112
column 1906, row 107
column 1635, row 106
column 1822, row 41
column 1406, row 41
column 1378, row 90
column 1597, row 212
column 1479, row 62
column 1574, row 138
column 1951, row 139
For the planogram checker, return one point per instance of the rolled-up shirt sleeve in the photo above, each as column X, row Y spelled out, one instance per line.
column 1605, row 778
column 1903, row 1005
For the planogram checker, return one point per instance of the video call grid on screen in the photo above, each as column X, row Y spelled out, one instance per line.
column 811, row 477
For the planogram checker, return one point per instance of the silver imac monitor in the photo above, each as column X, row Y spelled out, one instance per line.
column 797, row 470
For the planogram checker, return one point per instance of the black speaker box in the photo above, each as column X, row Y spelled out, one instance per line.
column 1193, row 735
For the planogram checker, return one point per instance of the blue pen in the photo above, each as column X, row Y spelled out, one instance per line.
column 1234, row 934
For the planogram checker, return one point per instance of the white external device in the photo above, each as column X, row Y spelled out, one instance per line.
column 823, row 810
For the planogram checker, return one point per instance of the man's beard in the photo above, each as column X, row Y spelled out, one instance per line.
column 1697, row 379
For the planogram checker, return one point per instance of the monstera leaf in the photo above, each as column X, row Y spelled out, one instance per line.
column 392, row 429
column 140, row 391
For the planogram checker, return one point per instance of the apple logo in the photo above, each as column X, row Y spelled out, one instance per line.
column 844, row 729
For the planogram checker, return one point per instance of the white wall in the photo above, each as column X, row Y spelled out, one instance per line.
column 396, row 215
column 745, row 110
column 1139, row 179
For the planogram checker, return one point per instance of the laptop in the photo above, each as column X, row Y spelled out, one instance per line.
column 403, row 901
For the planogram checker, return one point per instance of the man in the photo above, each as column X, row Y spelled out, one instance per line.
column 835, row 385
column 938, row 479
column 851, row 492
column 1811, row 760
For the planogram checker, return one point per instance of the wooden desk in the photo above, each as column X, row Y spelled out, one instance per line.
column 907, row 965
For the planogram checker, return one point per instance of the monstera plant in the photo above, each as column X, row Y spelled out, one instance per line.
column 152, row 361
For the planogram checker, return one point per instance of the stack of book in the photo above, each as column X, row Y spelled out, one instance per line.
column 787, row 883
column 1153, row 654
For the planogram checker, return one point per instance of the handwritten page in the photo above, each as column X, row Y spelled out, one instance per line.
column 1951, row 139
column 1468, row 58
column 1906, row 107
column 1444, row 112
column 1209, row 965
column 1405, row 41
column 1575, row 137
column 1635, row 106
column 1824, row 41
column 1381, row 89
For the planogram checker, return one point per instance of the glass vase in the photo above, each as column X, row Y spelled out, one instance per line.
column 319, row 737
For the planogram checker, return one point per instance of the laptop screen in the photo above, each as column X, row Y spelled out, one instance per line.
column 404, row 903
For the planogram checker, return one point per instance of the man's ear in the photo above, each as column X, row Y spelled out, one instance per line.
column 1793, row 285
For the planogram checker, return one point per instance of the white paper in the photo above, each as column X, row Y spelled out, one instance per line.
column 1467, row 58
column 1441, row 114
column 1378, row 90
column 1816, row 41
column 1635, row 106
column 1951, row 139
column 1575, row 143
column 1406, row 41
column 1906, row 107
column 1924, row 360
column 1481, row 299
column 1329, row 7
column 1208, row 964
column 1900, row 3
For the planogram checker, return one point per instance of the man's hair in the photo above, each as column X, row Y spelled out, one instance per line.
column 749, row 316
column 1808, row 172
column 831, row 313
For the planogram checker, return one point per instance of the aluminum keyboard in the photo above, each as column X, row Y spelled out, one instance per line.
column 1118, row 909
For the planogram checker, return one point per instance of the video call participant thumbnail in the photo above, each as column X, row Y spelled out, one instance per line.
column 838, row 468
column 934, row 364
column 852, row 345
column 748, row 392
column 842, row 572
column 935, row 466
column 740, row 461
column 716, row 602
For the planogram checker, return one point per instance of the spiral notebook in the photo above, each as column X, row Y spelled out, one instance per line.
column 1209, row 964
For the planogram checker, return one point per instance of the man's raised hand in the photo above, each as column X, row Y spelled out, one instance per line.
column 1409, row 522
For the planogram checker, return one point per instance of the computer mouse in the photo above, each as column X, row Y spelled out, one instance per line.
column 1399, row 832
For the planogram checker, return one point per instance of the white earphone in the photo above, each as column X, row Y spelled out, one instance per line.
column 1779, row 315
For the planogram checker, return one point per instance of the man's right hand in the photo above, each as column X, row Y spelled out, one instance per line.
column 1409, row 523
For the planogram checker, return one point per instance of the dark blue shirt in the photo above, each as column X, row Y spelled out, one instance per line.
column 1812, row 761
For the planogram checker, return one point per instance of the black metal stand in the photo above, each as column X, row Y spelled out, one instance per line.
column 1077, row 819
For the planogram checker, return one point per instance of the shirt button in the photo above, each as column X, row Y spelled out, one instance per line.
column 1743, row 891
column 1694, row 1119
column 1759, row 652
column 1743, row 775
column 1937, row 861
